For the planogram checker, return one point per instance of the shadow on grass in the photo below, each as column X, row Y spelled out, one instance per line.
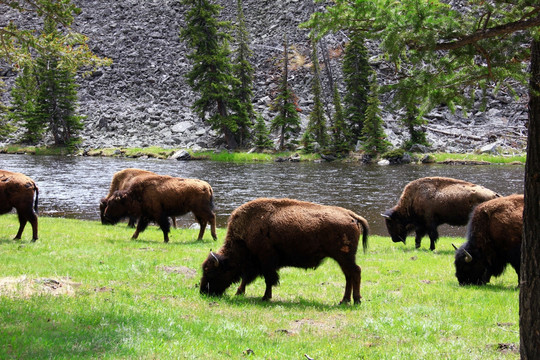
column 37, row 332
column 242, row 301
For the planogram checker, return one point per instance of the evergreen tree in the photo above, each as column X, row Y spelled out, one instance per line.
column 212, row 73
column 287, row 122
column 316, row 129
column 372, row 131
column 45, row 96
column 24, row 106
column 356, row 73
column 243, row 71
column 261, row 134
column 339, row 130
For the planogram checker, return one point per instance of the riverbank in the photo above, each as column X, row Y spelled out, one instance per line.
column 396, row 157
column 75, row 295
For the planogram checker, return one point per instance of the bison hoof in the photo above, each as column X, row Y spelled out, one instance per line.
column 34, row 240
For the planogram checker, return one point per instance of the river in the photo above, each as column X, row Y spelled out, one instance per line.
column 72, row 186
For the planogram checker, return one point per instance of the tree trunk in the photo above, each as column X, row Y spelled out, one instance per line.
column 529, row 297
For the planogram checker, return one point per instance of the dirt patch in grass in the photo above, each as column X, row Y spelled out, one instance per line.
column 187, row 272
column 23, row 286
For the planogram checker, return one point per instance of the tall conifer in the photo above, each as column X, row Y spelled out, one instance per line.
column 212, row 73
column 287, row 122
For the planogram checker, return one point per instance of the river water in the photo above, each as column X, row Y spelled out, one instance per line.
column 72, row 186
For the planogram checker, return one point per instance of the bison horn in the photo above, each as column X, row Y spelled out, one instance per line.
column 468, row 257
column 386, row 216
column 215, row 257
column 455, row 247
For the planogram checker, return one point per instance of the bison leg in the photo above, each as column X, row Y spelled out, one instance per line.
column 141, row 226
column 246, row 280
column 433, row 237
column 165, row 226
column 352, row 274
column 202, row 227
column 213, row 226
column 24, row 217
column 173, row 220
column 131, row 222
column 420, row 233
column 22, row 224
column 271, row 278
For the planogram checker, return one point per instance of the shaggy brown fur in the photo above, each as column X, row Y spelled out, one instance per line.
column 157, row 197
column 265, row 235
column 429, row 202
column 17, row 191
column 493, row 241
column 121, row 181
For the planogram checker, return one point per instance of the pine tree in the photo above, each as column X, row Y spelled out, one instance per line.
column 339, row 130
column 261, row 134
column 356, row 73
column 287, row 122
column 373, row 132
column 212, row 73
column 24, row 106
column 243, row 70
column 45, row 96
column 316, row 129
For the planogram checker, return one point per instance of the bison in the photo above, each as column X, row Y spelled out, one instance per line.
column 121, row 181
column 429, row 202
column 265, row 235
column 493, row 241
column 158, row 197
column 20, row 192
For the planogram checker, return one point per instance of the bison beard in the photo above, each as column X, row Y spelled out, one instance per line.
column 20, row 192
column 493, row 241
column 265, row 235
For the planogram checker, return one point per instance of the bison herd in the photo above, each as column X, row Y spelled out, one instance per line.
column 266, row 234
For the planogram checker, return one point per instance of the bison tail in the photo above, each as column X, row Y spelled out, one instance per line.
column 36, row 199
column 365, row 230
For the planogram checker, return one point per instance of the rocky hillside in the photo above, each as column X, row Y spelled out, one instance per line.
column 143, row 98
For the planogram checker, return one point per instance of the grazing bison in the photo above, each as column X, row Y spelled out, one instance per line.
column 17, row 191
column 429, row 202
column 493, row 241
column 158, row 197
column 265, row 235
column 121, row 181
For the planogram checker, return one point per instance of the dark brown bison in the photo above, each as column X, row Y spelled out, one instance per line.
column 158, row 197
column 493, row 241
column 20, row 192
column 121, row 181
column 429, row 202
column 265, row 235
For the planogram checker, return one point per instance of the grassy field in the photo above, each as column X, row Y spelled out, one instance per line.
column 84, row 291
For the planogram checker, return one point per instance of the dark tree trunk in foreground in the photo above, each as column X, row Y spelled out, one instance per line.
column 529, row 298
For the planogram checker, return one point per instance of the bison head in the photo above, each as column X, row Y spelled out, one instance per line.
column 102, row 207
column 471, row 267
column 117, row 207
column 396, row 226
column 218, row 275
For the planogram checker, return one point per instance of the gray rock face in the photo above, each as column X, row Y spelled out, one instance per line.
column 143, row 98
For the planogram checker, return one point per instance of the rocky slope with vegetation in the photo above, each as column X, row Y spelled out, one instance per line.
column 143, row 98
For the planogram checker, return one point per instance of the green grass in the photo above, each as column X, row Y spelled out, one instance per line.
column 124, row 299
column 492, row 159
